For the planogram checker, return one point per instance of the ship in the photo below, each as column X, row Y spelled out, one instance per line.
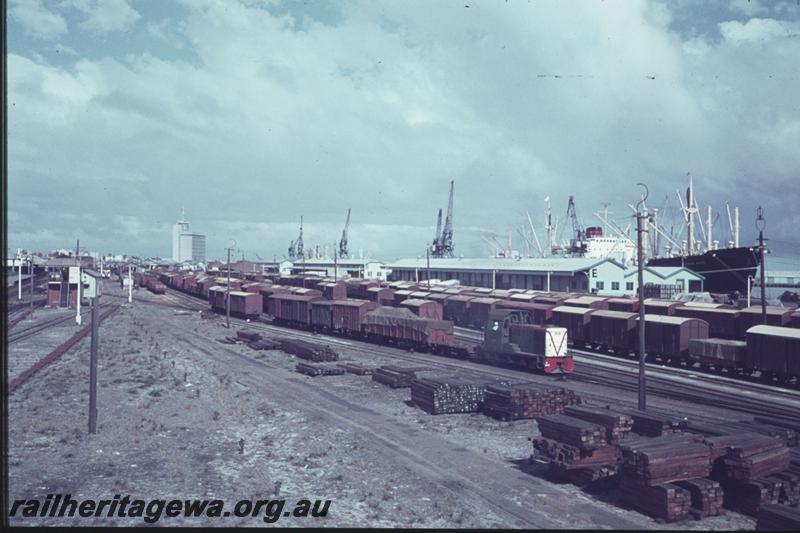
column 725, row 270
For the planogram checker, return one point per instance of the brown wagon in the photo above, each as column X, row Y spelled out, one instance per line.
column 576, row 320
column 626, row 305
column 669, row 336
column 245, row 304
column 614, row 330
column 591, row 302
column 776, row 316
column 423, row 308
column 478, row 311
column 347, row 315
column 401, row 326
column 539, row 313
column 656, row 306
column 456, row 309
column 723, row 323
column 773, row 349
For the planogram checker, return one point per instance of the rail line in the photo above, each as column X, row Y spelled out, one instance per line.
column 32, row 330
column 26, row 374
column 665, row 382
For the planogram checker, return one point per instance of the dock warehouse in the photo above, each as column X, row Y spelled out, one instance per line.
column 546, row 274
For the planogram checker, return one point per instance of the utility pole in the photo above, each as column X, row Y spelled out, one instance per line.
column 761, row 223
column 428, row 268
column 130, row 285
column 641, row 214
column 93, row 368
column 19, row 274
column 30, row 275
column 228, row 290
column 335, row 265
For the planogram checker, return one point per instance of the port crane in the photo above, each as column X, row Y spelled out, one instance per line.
column 444, row 247
column 343, row 251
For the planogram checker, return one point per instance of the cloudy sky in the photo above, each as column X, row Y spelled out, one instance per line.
column 251, row 113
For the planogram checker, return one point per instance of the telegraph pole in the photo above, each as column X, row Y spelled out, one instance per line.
column 335, row 264
column 228, row 290
column 761, row 223
column 130, row 285
column 19, row 274
column 428, row 259
column 30, row 275
column 93, row 369
column 641, row 214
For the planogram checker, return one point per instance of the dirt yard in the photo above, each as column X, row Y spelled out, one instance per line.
column 184, row 416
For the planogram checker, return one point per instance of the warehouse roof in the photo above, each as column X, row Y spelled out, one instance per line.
column 549, row 264
column 665, row 272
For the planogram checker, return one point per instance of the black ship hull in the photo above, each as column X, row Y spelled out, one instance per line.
column 725, row 270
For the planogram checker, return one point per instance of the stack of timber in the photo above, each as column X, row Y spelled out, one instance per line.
column 754, row 470
column 778, row 518
column 749, row 497
column 654, row 424
column 444, row 395
column 668, row 502
column 572, row 431
column 617, row 424
column 572, row 457
column 585, row 476
column 353, row 368
column 248, row 336
column 394, row 376
column 753, row 458
column 651, row 462
column 318, row 370
column 264, row 344
column 308, row 350
column 706, row 496
column 526, row 400
column 788, row 435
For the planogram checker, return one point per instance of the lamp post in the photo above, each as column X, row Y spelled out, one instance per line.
column 761, row 223
column 750, row 280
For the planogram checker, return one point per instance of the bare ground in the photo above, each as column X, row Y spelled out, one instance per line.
column 174, row 405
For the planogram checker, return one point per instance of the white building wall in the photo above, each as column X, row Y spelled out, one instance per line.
column 177, row 229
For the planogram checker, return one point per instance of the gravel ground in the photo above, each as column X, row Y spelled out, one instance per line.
column 174, row 406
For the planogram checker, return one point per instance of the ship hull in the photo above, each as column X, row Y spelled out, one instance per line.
column 724, row 270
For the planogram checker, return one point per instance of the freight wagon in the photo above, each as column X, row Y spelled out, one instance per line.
column 773, row 350
column 613, row 330
column 456, row 309
column 655, row 306
column 245, row 304
column 723, row 323
column 590, row 302
column 423, row 308
column 627, row 305
column 380, row 295
column 575, row 320
column 751, row 316
column 290, row 309
column 478, row 311
column 539, row 313
column 401, row 327
column 668, row 337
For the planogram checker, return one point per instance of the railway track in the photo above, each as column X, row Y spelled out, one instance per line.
column 24, row 333
column 663, row 385
column 665, row 382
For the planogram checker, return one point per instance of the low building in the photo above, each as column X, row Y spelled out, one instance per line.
column 604, row 277
column 665, row 282
column 342, row 268
column 562, row 274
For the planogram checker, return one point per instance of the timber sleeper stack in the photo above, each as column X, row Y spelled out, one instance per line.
column 308, row 350
column 394, row 376
column 526, row 400
column 318, row 370
column 447, row 395
column 617, row 424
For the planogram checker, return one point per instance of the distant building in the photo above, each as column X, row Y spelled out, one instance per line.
column 187, row 245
